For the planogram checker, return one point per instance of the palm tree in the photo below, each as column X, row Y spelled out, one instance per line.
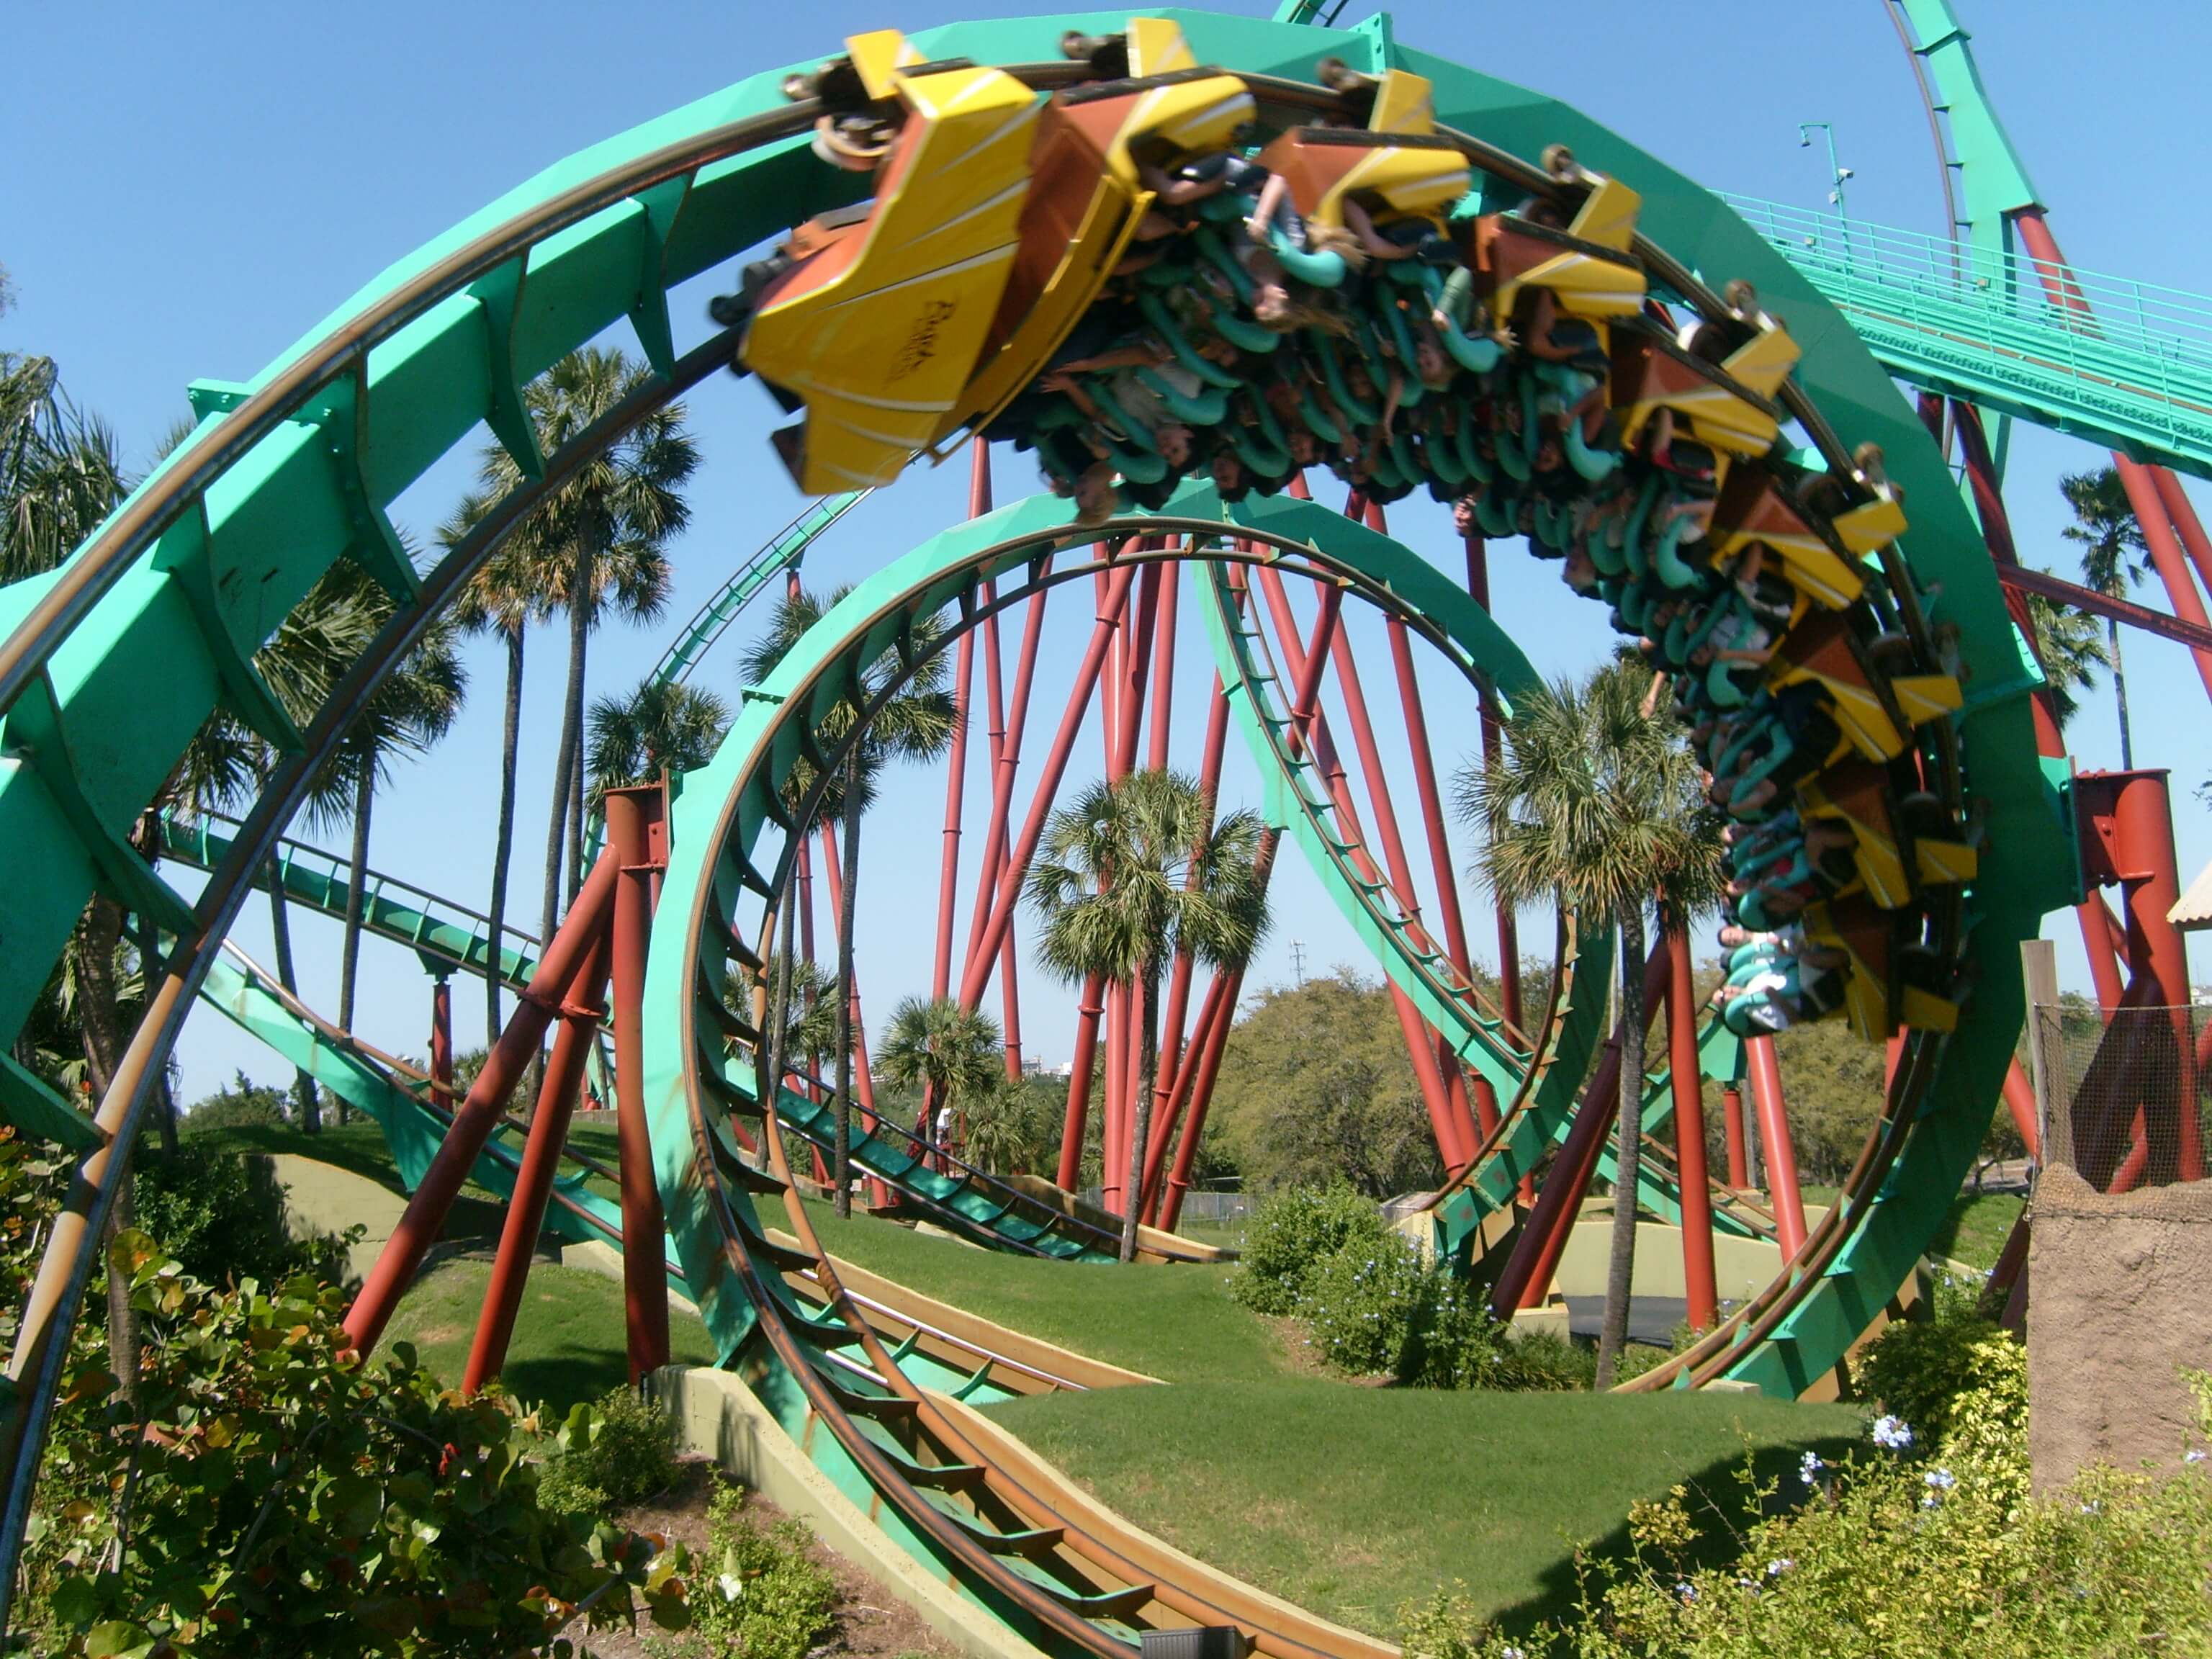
column 659, row 727
column 2067, row 646
column 596, row 546
column 1132, row 871
column 2105, row 530
column 953, row 1055
column 508, row 593
column 412, row 708
column 60, row 469
column 912, row 720
column 1596, row 803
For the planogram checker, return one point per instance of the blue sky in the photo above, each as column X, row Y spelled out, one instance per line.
column 189, row 188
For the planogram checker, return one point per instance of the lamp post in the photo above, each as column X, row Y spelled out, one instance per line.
column 1836, row 174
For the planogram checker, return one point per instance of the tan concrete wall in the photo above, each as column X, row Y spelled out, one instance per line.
column 2116, row 1305
column 1741, row 1267
column 717, row 1416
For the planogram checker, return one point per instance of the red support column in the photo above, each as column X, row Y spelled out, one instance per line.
column 1079, row 1081
column 441, row 1044
column 637, row 834
column 2186, row 523
column 1775, row 1145
column 2139, row 852
column 1700, row 1285
column 2020, row 1100
column 1001, row 917
column 479, row 1114
column 1493, row 742
column 1164, row 645
column 580, row 1012
column 1179, row 1093
column 955, row 770
column 1005, row 765
column 1739, row 1167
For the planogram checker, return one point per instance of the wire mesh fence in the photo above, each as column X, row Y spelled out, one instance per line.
column 2125, row 1096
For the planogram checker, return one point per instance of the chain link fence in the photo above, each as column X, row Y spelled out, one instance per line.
column 2124, row 1101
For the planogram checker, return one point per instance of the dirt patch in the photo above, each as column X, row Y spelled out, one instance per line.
column 872, row 1622
column 1298, row 1355
column 2115, row 1307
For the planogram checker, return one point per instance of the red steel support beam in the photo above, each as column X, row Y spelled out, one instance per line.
column 2144, row 495
column 1079, row 1081
column 637, row 834
column 1528, row 1274
column 1700, row 1285
column 479, row 1113
column 2020, row 1100
column 1001, row 917
column 956, row 770
column 1776, row 1146
column 1493, row 742
column 441, row 1044
column 580, row 1013
column 1163, row 647
column 2186, row 523
column 1738, row 1168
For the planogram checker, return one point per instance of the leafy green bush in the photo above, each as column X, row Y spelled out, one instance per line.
column 1540, row 1361
column 260, row 1486
column 220, row 1214
column 1362, row 1305
column 1291, row 1233
column 761, row 1594
column 1917, row 1370
column 616, row 1453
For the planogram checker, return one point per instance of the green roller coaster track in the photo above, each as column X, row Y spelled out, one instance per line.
column 109, row 665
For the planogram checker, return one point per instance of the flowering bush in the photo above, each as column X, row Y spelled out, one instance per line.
column 1917, row 1369
column 1364, row 1304
column 761, row 1594
column 1291, row 1234
column 1909, row 1552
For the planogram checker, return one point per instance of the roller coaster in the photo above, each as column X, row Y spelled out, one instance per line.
column 1184, row 261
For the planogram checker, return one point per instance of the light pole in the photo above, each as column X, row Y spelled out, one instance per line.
column 1836, row 174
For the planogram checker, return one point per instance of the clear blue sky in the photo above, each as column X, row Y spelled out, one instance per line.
column 189, row 188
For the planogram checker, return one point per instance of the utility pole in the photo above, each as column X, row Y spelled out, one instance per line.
column 1298, row 961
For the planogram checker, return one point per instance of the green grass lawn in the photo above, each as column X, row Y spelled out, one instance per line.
column 568, row 1344
column 1975, row 1229
column 1178, row 1323
column 1350, row 1501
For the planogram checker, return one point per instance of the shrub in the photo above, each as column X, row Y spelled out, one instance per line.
column 1362, row 1304
column 1918, row 1370
column 761, row 1594
column 1540, row 1361
column 260, row 1481
column 1911, row 1554
column 1291, row 1233
column 618, row 1453
column 222, row 1216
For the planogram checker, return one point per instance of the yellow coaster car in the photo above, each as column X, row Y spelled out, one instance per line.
column 878, row 331
column 1396, row 166
column 1857, row 792
column 1752, row 509
column 1586, row 266
column 1087, row 197
column 1732, row 413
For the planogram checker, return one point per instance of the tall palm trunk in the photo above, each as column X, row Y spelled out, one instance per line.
column 98, row 932
column 305, row 1100
column 1140, row 1132
column 364, row 801
column 1628, row 1147
column 165, row 1099
column 576, row 792
column 845, row 915
column 503, row 836
column 2120, row 697
column 564, row 761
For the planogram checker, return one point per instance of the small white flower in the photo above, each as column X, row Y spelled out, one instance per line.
column 2194, row 1455
column 1511, row 1653
column 2091, row 1507
column 1776, row 1569
column 731, row 1586
column 1892, row 1433
column 1686, row 1590
column 1809, row 1469
column 1941, row 1480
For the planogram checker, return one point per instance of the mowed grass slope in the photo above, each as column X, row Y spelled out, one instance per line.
column 1351, row 1501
